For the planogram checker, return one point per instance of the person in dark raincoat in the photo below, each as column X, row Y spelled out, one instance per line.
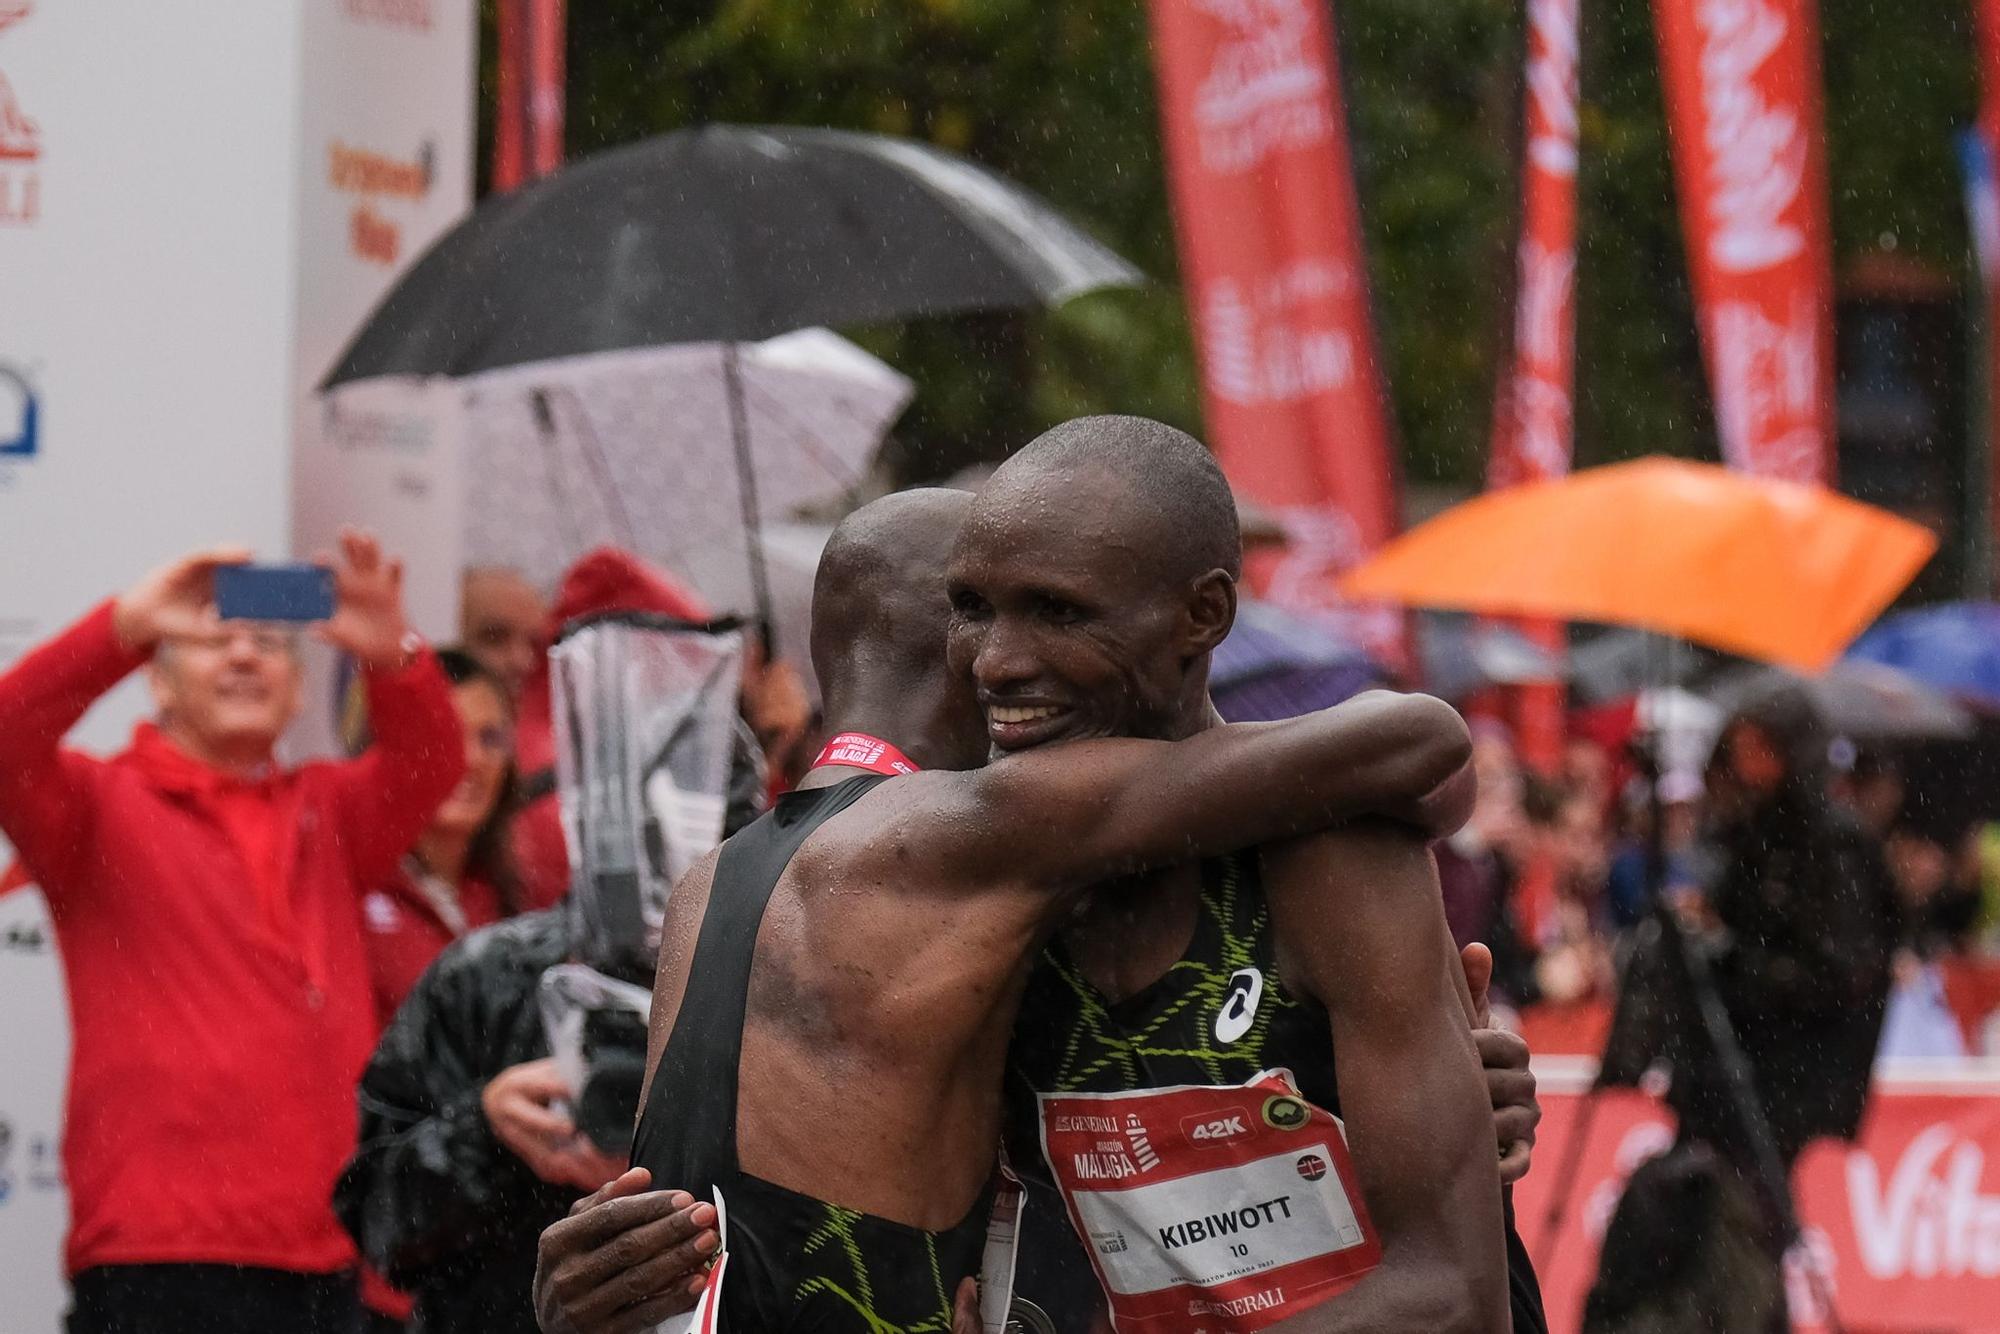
column 1800, row 962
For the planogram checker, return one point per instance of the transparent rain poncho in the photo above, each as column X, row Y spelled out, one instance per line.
column 645, row 717
column 645, row 711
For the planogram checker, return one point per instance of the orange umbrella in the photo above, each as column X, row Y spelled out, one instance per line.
column 1776, row 571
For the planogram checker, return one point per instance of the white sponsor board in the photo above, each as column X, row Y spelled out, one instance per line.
column 198, row 204
column 34, row 1049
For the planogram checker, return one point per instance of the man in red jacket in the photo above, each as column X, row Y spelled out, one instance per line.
column 207, row 907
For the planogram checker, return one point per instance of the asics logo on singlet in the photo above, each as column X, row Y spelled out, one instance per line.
column 1239, row 1006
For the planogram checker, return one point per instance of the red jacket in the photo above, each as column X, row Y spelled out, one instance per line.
column 405, row 932
column 218, row 1033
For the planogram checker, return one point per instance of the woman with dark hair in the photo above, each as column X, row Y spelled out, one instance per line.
column 459, row 875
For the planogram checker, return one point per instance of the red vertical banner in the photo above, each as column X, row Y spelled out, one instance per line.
column 1983, row 200
column 1271, row 256
column 1533, row 435
column 1743, row 111
column 528, row 120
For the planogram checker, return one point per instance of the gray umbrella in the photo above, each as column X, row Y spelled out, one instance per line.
column 1862, row 700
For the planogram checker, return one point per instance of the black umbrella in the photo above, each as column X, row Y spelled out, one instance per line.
column 725, row 234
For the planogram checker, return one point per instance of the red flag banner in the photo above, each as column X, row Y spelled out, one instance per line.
column 1743, row 111
column 528, row 124
column 1532, row 432
column 1983, row 200
column 1271, row 255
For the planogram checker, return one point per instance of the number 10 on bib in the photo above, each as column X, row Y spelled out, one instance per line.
column 1210, row 1209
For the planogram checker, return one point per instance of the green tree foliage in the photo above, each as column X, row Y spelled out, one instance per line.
column 1060, row 96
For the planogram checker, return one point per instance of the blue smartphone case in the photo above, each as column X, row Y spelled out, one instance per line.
column 274, row 592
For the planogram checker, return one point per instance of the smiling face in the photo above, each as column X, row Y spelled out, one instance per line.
column 1073, row 616
column 227, row 697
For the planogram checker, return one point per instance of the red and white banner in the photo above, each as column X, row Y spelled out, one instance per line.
column 1983, row 199
column 1532, row 428
column 1743, row 111
column 1531, row 432
column 530, row 92
column 1271, row 255
column 1905, row 1224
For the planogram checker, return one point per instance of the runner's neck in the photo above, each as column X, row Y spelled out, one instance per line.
column 852, row 752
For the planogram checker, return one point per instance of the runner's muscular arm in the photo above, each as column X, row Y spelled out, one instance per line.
column 1418, row 1117
column 1076, row 813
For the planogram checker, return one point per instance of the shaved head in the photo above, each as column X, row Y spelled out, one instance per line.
column 1177, row 504
column 879, row 617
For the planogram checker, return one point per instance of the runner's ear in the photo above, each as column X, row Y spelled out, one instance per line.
column 1210, row 611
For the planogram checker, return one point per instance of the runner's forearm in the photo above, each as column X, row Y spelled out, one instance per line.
column 1417, row 1115
column 1079, row 814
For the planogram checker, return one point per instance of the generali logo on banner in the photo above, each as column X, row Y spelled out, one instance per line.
column 1270, row 242
column 20, row 138
column 1742, row 80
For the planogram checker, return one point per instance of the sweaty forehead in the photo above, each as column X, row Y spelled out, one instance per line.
column 1081, row 523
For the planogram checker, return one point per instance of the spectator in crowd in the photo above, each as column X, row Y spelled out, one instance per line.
column 502, row 621
column 1933, row 906
column 1806, row 900
column 1803, row 967
column 1476, row 868
column 1874, row 791
column 207, row 904
column 467, row 1150
column 1628, row 897
column 466, row 1153
column 460, row 875
column 602, row 581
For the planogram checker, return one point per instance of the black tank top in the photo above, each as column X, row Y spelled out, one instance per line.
column 795, row 1263
column 1189, row 1027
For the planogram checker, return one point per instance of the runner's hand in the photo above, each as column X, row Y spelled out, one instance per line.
column 1508, row 1079
column 1477, row 961
column 625, row 1259
column 368, row 622
column 174, row 601
column 520, row 1106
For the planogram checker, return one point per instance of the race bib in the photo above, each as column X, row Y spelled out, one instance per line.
column 1209, row 1210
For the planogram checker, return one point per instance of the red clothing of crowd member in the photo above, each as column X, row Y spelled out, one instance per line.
column 407, row 927
column 210, row 933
